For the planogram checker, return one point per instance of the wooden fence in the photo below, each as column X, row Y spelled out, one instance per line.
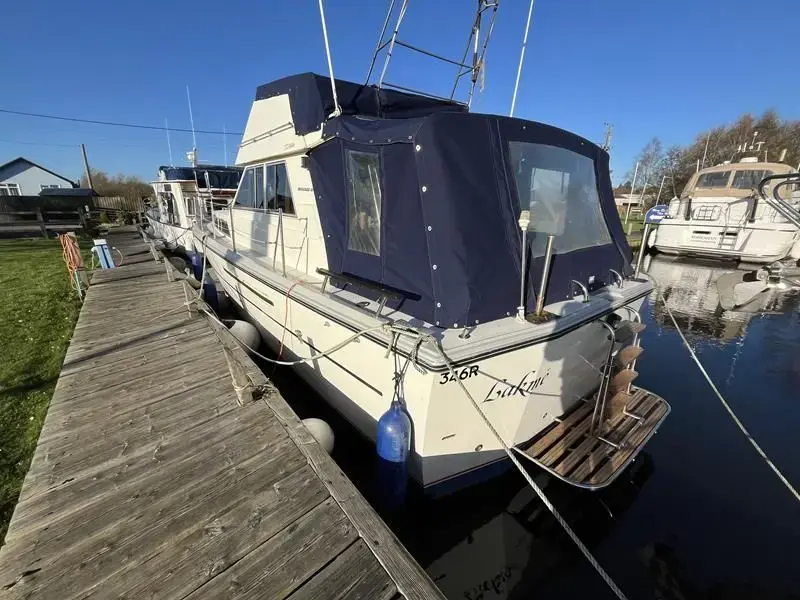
column 14, row 223
column 119, row 204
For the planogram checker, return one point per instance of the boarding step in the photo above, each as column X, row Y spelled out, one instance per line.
column 568, row 450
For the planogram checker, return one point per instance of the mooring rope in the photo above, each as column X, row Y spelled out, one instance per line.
column 539, row 491
column 721, row 398
column 396, row 330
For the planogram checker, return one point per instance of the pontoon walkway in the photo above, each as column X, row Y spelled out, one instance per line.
column 150, row 480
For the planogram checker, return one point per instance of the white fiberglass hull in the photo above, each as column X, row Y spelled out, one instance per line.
column 173, row 237
column 750, row 243
column 520, row 388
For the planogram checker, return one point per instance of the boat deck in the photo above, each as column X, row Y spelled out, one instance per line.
column 568, row 450
column 169, row 467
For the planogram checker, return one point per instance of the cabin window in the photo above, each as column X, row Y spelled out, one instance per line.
column 9, row 189
column 748, row 180
column 713, row 180
column 706, row 212
column 364, row 202
column 259, row 188
column 245, row 197
column 559, row 187
column 279, row 194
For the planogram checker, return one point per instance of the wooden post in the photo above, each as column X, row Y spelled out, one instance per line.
column 40, row 218
column 86, row 167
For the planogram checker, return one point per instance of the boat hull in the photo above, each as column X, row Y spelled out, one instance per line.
column 746, row 244
column 520, row 390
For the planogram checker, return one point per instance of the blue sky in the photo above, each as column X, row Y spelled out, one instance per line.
column 652, row 69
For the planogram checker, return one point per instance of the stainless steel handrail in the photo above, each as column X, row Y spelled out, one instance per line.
column 602, row 392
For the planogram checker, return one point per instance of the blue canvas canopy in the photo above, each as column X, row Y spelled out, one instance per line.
column 219, row 177
column 444, row 192
column 311, row 100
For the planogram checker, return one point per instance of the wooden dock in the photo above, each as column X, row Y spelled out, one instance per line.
column 169, row 467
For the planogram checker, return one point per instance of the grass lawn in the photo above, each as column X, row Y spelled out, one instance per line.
column 38, row 310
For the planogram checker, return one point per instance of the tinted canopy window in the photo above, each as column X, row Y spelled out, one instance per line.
column 713, row 180
column 363, row 203
column 558, row 186
column 746, row 180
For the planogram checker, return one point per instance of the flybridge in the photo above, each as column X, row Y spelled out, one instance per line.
column 312, row 102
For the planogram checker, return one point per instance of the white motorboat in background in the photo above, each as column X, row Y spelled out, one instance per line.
column 182, row 195
column 399, row 222
column 720, row 215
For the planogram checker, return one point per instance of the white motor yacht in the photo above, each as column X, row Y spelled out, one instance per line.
column 182, row 195
column 432, row 247
column 720, row 215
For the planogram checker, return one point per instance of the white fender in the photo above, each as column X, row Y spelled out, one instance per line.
column 321, row 432
column 245, row 333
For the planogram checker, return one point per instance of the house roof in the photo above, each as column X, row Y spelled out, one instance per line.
column 30, row 162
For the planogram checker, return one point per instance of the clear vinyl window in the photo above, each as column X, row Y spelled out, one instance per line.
column 559, row 188
column 364, row 202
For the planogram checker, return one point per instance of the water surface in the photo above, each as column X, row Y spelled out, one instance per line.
column 699, row 515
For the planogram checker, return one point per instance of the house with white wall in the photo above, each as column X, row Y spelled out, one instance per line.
column 22, row 177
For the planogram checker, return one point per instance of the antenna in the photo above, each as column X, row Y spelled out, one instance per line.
column 191, row 120
column 521, row 59
column 337, row 110
column 169, row 144
column 705, row 152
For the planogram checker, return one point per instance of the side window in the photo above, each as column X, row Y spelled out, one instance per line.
column 259, row 202
column 245, row 197
column 279, row 194
column 364, row 202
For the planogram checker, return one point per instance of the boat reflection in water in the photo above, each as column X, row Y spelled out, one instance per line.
column 498, row 540
column 711, row 299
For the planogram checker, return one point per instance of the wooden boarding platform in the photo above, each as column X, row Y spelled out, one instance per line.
column 568, row 450
column 169, row 467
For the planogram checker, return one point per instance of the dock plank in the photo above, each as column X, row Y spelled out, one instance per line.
column 152, row 479
column 353, row 575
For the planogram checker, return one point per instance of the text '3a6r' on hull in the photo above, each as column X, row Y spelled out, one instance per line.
column 411, row 251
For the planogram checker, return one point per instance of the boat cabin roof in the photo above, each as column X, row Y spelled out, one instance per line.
column 419, row 195
column 220, row 177
column 311, row 100
column 732, row 180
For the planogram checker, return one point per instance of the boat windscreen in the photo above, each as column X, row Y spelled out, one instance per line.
column 747, row 180
column 716, row 179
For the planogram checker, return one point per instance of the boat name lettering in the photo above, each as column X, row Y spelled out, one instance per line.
column 526, row 385
column 457, row 374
